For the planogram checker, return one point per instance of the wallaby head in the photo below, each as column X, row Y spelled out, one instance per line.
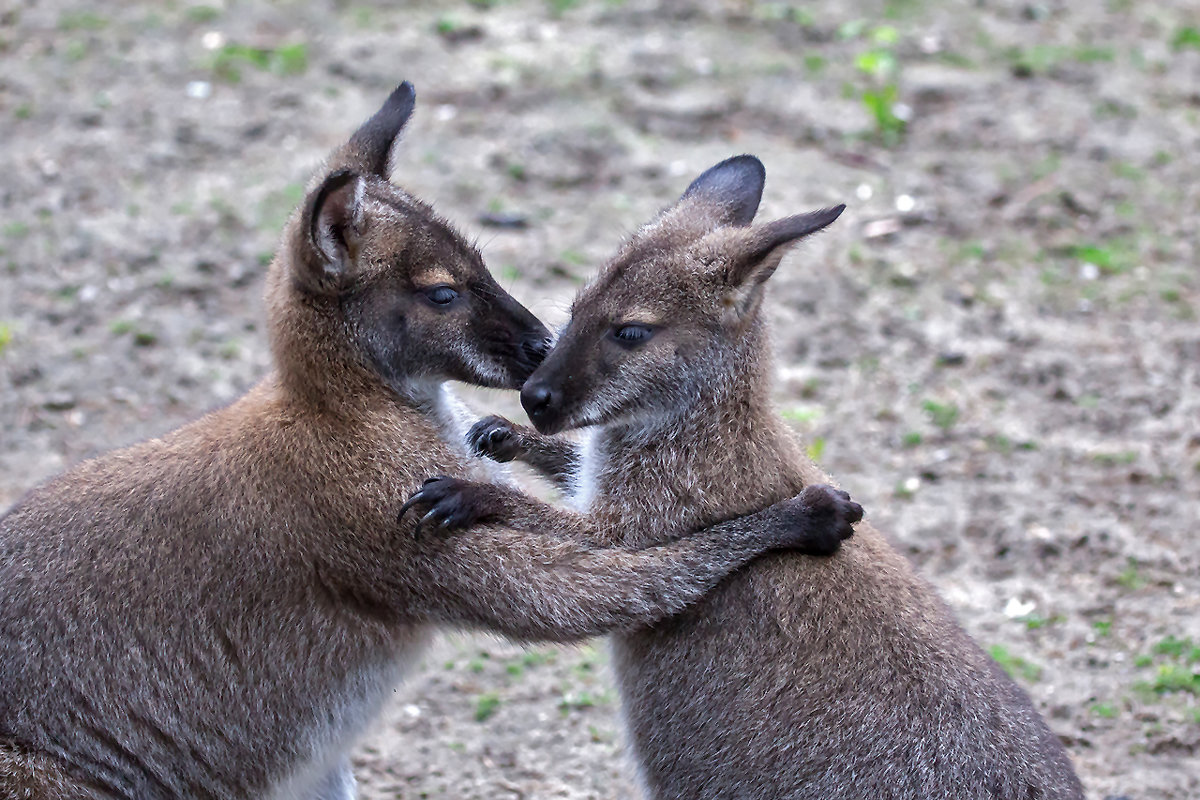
column 675, row 315
column 371, row 277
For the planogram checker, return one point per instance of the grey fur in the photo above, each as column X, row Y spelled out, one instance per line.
column 814, row 679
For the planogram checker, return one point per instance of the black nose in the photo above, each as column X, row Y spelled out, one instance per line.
column 538, row 400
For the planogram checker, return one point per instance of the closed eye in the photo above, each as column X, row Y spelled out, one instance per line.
column 631, row 335
column 440, row 295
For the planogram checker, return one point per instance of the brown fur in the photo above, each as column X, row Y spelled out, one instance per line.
column 798, row 678
column 217, row 613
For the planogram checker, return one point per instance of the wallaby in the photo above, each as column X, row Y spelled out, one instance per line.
column 844, row 677
column 219, row 612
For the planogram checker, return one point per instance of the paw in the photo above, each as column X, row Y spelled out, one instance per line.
column 451, row 503
column 495, row 438
column 831, row 517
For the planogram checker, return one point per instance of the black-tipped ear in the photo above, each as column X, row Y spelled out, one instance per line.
column 370, row 148
column 330, row 232
column 734, row 187
column 761, row 253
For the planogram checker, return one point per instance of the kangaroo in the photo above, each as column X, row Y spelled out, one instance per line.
column 219, row 612
column 844, row 677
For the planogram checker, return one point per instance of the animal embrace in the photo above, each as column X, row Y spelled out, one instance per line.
column 220, row 612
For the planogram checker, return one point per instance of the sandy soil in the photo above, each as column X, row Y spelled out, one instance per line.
column 996, row 349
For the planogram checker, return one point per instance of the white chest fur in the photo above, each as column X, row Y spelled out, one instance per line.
column 587, row 477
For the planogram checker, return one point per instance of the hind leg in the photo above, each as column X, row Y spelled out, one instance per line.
column 339, row 784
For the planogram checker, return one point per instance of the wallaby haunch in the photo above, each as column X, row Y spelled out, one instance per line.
column 844, row 677
column 218, row 613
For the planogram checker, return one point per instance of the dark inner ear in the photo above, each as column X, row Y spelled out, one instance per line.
column 330, row 239
column 769, row 242
column 369, row 149
column 734, row 186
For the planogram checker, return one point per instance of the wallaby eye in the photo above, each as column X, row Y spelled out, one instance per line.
column 631, row 335
column 441, row 295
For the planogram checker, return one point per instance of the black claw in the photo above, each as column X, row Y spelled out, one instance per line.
column 416, row 499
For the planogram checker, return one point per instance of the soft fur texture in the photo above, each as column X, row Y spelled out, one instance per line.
column 830, row 678
column 218, row 613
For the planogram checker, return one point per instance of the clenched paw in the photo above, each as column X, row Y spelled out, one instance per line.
column 832, row 515
column 452, row 503
column 495, row 438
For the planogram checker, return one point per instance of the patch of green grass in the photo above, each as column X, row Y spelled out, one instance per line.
column 81, row 21
column 1015, row 666
column 800, row 414
column 1038, row 59
column 6, row 336
column 15, row 230
column 289, row 59
column 1143, row 660
column 1102, row 627
column 814, row 63
column 573, row 257
column 447, row 26
column 120, row 327
column 1129, row 577
column 560, row 7
column 76, row 51
column 1104, row 710
column 1090, row 54
column 277, row 206
column 1172, row 678
column 23, row 111
column 1124, row 457
column 1186, row 38
column 1123, row 169
column 1175, row 647
column 486, row 706
column 202, row 14
column 816, row 449
column 880, row 68
column 1112, row 258
column 577, row 701
column 536, row 658
column 943, row 415
column 911, row 439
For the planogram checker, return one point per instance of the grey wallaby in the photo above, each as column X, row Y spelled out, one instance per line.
column 844, row 677
column 219, row 612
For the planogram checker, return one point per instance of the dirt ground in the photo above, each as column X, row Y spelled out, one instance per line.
column 995, row 350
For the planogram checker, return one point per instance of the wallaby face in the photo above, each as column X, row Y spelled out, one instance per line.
column 411, row 294
column 669, row 315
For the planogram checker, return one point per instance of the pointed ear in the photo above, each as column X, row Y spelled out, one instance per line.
column 330, row 233
column 732, row 188
column 370, row 148
column 755, row 254
column 765, row 245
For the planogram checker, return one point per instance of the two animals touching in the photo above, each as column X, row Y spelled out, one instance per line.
column 220, row 612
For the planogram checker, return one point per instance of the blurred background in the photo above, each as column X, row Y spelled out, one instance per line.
column 995, row 350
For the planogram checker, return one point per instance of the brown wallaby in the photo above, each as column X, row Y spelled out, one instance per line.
column 844, row 677
column 218, row 613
